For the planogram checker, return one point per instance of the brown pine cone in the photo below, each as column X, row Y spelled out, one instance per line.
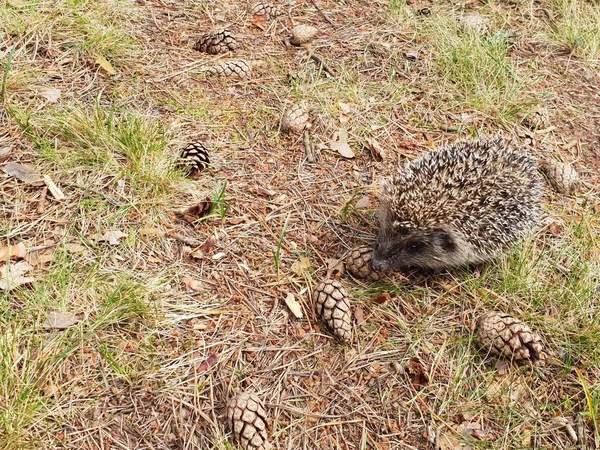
column 332, row 305
column 218, row 42
column 235, row 69
column 194, row 157
column 358, row 263
column 499, row 334
column 264, row 9
column 248, row 421
column 294, row 119
column 563, row 177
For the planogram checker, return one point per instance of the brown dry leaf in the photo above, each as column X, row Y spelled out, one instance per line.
column 205, row 249
column 208, row 363
column 13, row 251
column 191, row 283
column 197, row 211
column 112, row 237
column 11, row 275
column 150, row 231
column 301, row 266
column 359, row 315
column 51, row 94
column 417, row 373
column 259, row 21
column 61, row 320
column 555, row 228
column 446, row 441
column 103, row 62
column 377, row 151
column 339, row 143
column 295, row 307
column 23, row 173
column 382, row 298
column 364, row 202
column 75, row 248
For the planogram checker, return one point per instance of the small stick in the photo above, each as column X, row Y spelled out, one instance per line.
column 54, row 189
column 323, row 14
column 310, row 156
column 41, row 207
column 321, row 64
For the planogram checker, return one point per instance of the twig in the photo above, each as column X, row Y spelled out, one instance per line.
column 323, row 14
column 321, row 64
column 186, row 240
column 310, row 156
column 41, row 207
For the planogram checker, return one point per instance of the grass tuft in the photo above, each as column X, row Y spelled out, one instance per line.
column 579, row 28
column 475, row 69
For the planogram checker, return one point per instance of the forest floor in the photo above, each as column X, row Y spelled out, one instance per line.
column 129, row 327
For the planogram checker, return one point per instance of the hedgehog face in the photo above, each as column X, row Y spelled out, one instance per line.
column 413, row 248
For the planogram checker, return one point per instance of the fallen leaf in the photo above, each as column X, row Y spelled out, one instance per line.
column 417, row 374
column 13, row 251
column 11, row 275
column 51, row 94
column 61, row 320
column 205, row 249
column 295, row 307
column 364, row 202
column 339, row 142
column 446, row 441
column 259, row 21
column 23, row 173
column 75, row 248
column 377, row 151
column 208, row 363
column 191, row 283
column 359, row 315
column 112, row 237
column 196, row 212
column 150, row 231
column 218, row 256
column 335, row 267
column 103, row 62
column 301, row 266
column 382, row 298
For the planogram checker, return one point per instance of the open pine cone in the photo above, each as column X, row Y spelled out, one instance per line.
column 218, row 42
column 294, row 119
column 561, row 176
column 194, row 157
column 235, row 69
column 248, row 421
column 499, row 334
column 358, row 263
column 332, row 305
column 265, row 9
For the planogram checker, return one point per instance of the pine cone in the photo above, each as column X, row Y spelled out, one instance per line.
column 332, row 305
column 358, row 263
column 294, row 119
column 237, row 68
column 248, row 421
column 301, row 34
column 264, row 9
column 214, row 43
column 502, row 335
column 561, row 176
column 538, row 120
column 195, row 157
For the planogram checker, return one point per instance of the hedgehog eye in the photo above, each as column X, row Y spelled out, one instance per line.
column 414, row 246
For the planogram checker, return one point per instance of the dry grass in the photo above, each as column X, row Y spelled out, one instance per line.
column 165, row 337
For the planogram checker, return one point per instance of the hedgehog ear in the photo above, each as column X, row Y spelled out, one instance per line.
column 445, row 240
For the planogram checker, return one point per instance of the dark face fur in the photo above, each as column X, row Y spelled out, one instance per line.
column 400, row 249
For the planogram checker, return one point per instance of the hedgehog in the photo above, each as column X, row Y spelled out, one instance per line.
column 459, row 205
